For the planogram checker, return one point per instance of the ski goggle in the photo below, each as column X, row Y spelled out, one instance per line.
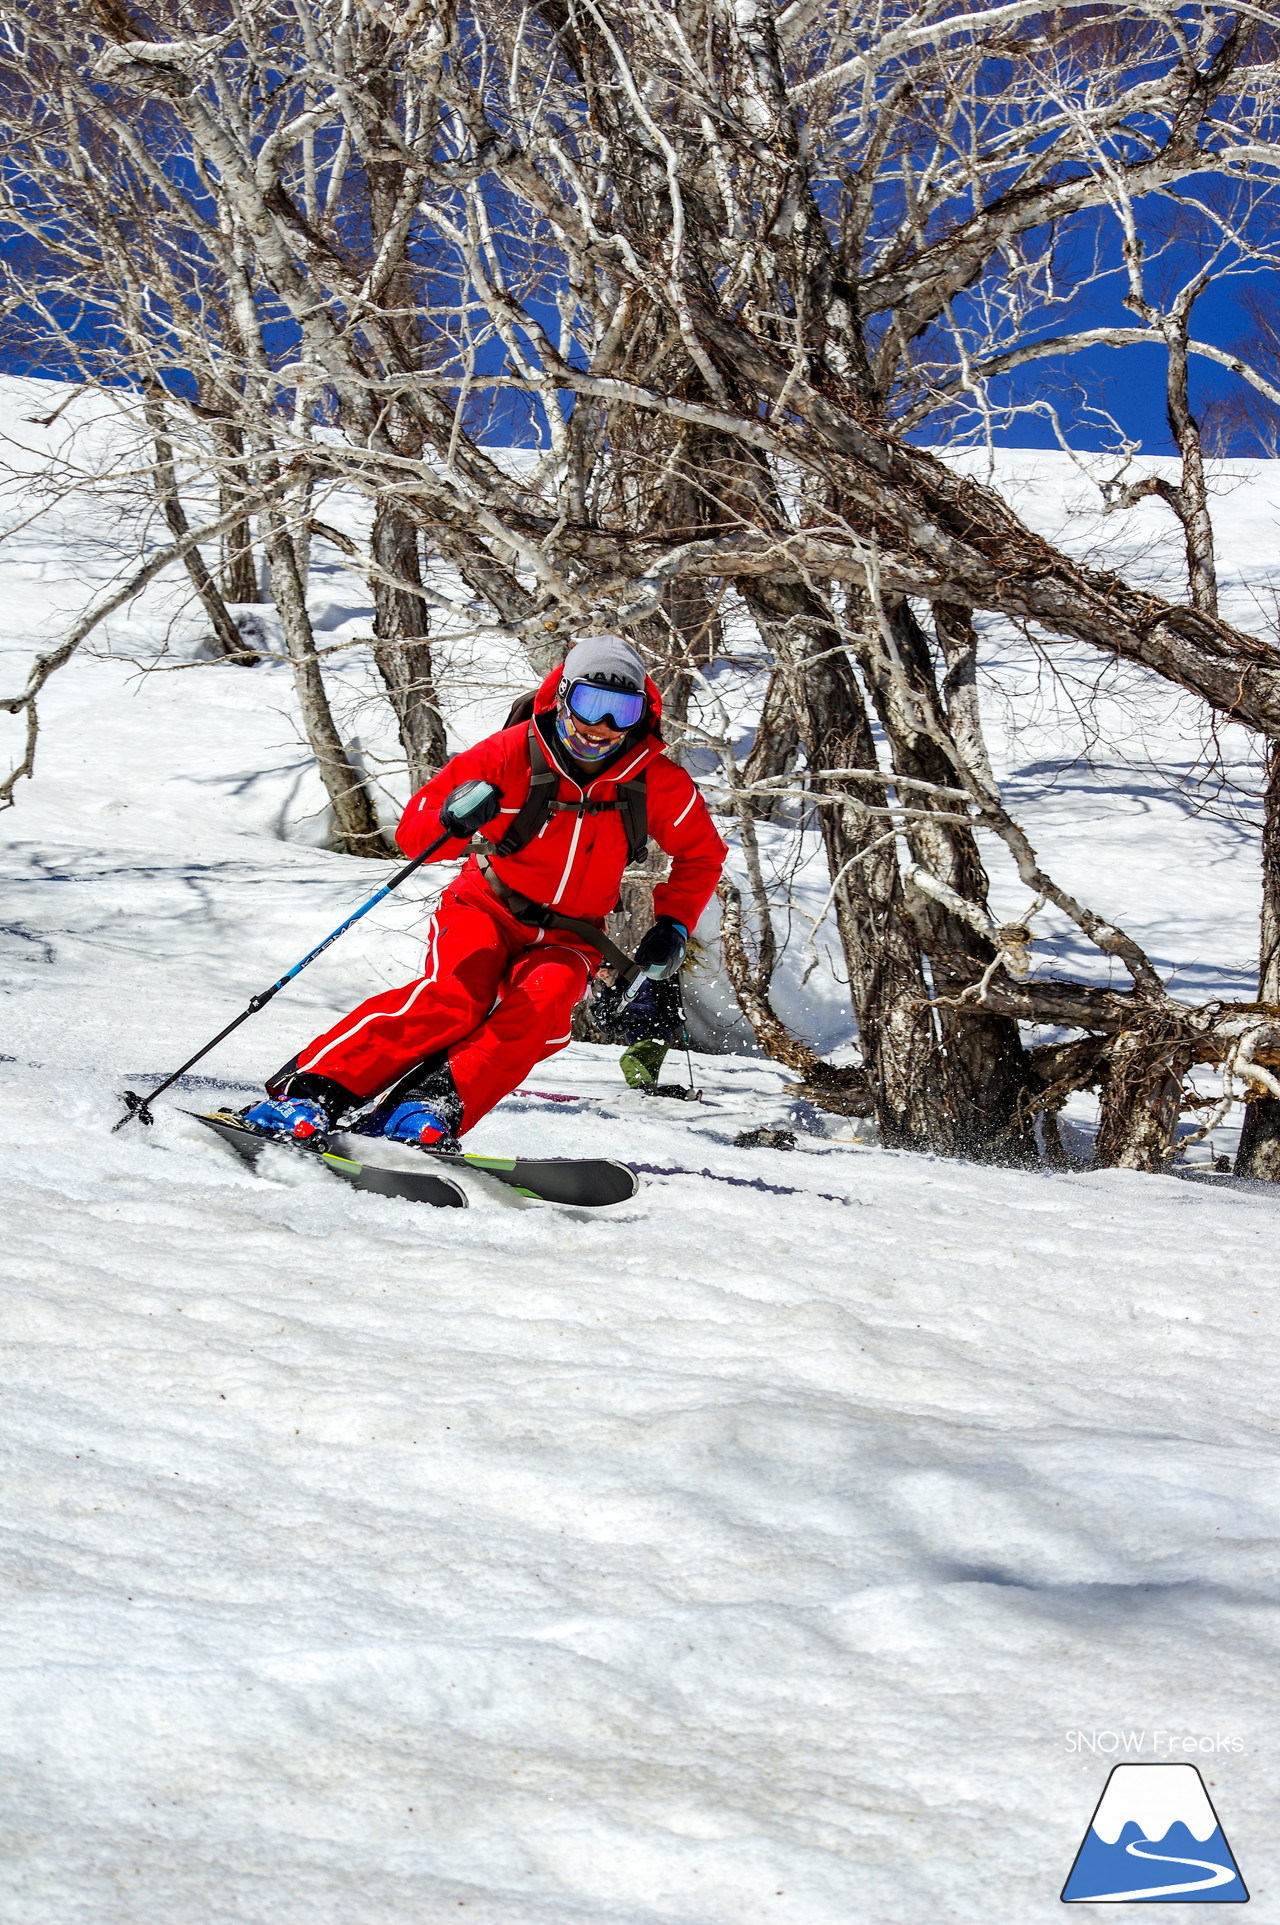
column 616, row 706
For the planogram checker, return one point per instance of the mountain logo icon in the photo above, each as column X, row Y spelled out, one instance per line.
column 1155, row 1835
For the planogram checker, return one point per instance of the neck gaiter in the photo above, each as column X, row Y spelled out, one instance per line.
column 577, row 745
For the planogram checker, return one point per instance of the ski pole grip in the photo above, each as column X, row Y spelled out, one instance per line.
column 469, row 806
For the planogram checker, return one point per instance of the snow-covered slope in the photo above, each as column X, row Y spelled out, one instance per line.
column 755, row 1551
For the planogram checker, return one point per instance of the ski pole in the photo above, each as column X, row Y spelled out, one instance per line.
column 140, row 1106
column 465, row 809
column 684, row 1032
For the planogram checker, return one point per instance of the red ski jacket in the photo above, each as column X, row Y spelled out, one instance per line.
column 575, row 862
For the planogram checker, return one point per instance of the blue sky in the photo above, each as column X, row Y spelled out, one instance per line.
column 1129, row 383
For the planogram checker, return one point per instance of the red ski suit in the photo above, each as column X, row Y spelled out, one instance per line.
column 497, row 994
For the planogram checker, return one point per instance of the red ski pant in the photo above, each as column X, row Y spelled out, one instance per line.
column 496, row 994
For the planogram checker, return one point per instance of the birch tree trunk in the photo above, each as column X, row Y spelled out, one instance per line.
column 774, row 750
column 1189, row 496
column 1202, row 573
column 239, row 567
column 400, row 648
column 1141, row 1104
column 843, row 1089
column 1259, row 1153
column 227, row 636
column 355, row 821
column 980, row 1075
column 881, row 949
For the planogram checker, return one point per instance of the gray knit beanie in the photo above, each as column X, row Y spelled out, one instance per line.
column 607, row 660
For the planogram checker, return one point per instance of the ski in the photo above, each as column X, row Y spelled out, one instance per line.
column 590, row 1182
column 383, row 1179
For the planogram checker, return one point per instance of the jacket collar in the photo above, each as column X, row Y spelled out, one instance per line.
column 621, row 768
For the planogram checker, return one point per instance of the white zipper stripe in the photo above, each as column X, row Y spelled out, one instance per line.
column 573, row 850
column 573, row 840
column 684, row 812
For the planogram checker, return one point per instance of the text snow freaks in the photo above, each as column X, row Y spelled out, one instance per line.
column 1155, row 1743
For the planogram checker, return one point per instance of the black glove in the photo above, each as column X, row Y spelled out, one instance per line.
column 662, row 948
column 468, row 807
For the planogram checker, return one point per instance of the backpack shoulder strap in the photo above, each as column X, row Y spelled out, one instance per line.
column 544, row 786
column 633, row 805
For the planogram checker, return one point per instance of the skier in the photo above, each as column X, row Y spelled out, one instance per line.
column 564, row 800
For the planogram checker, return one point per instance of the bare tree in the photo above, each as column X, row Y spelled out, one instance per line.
column 153, row 292
column 229, row 640
column 715, row 264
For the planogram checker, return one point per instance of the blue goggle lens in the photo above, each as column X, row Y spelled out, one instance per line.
column 615, row 706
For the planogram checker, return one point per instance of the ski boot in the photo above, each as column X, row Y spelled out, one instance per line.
column 424, row 1111
column 299, row 1109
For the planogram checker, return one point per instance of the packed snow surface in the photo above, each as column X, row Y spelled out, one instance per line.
column 798, row 1543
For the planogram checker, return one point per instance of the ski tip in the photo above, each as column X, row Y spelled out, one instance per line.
column 585, row 1182
column 415, row 1186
